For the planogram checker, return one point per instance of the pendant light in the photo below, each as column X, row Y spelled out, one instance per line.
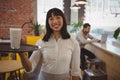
column 77, row 2
column 75, row 7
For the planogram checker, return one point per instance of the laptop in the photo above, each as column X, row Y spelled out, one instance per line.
column 104, row 38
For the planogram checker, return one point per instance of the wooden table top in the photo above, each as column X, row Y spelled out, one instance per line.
column 9, row 65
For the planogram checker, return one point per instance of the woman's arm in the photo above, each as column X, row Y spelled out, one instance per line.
column 25, row 62
column 30, row 64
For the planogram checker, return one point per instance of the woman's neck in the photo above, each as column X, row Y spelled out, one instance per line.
column 56, row 35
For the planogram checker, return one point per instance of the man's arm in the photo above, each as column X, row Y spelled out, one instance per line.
column 81, row 39
column 93, row 38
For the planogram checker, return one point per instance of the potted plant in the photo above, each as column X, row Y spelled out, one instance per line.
column 75, row 27
column 116, row 33
column 36, row 27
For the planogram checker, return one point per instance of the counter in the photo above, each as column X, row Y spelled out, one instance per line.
column 109, row 54
column 5, row 41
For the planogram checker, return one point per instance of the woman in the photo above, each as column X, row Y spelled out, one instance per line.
column 58, row 50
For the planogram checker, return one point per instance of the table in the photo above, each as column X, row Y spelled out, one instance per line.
column 13, row 65
column 9, row 65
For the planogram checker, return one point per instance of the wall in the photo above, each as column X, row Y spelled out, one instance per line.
column 13, row 13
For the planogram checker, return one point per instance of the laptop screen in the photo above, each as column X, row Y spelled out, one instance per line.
column 104, row 38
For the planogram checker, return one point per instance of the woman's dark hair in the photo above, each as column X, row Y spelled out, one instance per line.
column 49, row 31
column 86, row 25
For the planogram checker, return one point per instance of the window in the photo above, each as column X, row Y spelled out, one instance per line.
column 44, row 5
column 115, row 7
column 104, row 14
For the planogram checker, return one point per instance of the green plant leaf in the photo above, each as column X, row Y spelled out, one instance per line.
column 116, row 33
column 76, row 26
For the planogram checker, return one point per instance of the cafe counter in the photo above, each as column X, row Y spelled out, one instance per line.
column 109, row 54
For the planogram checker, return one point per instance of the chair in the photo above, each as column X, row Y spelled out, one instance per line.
column 95, row 71
column 94, row 75
column 96, row 64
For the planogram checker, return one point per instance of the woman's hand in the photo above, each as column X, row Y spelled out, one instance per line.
column 23, row 40
column 22, row 54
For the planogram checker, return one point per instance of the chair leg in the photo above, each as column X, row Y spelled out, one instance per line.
column 2, row 76
column 13, row 76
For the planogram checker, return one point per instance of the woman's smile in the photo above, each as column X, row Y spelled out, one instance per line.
column 56, row 22
column 56, row 25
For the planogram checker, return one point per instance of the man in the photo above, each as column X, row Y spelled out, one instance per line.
column 82, row 37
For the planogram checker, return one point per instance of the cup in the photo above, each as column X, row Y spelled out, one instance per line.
column 15, row 37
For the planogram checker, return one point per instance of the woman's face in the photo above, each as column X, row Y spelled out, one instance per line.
column 55, row 22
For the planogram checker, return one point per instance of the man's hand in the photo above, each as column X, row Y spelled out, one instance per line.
column 96, row 40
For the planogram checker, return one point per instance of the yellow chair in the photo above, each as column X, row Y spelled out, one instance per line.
column 33, row 39
column 8, row 57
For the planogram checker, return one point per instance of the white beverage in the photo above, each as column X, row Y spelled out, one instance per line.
column 15, row 37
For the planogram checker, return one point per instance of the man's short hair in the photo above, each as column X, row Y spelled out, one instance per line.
column 86, row 25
